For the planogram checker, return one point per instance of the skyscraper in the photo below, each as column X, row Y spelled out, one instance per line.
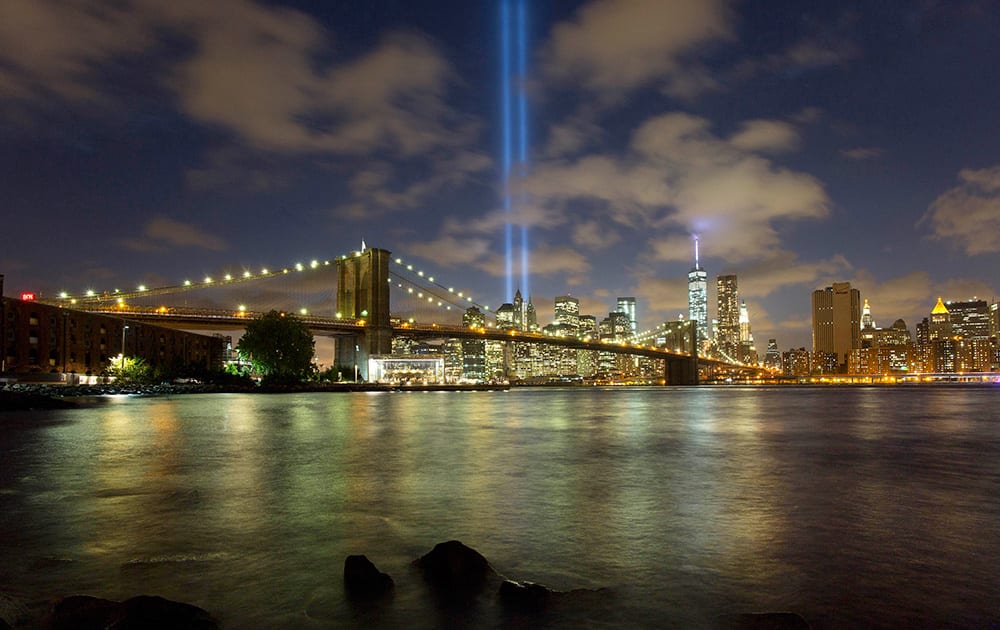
column 836, row 315
column 772, row 358
column 970, row 319
column 567, row 314
column 727, row 335
column 698, row 299
column 748, row 353
column 474, row 350
column 627, row 305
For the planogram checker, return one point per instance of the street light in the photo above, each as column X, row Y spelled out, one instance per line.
column 124, row 328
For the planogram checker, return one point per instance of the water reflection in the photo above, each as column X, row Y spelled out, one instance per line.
column 690, row 502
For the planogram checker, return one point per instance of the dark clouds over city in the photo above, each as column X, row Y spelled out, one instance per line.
column 805, row 143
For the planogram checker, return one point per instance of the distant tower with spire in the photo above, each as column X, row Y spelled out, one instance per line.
column 698, row 299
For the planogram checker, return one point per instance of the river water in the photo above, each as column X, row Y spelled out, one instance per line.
column 875, row 507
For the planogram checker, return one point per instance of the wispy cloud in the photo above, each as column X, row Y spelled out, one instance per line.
column 610, row 46
column 968, row 215
column 164, row 234
column 863, row 153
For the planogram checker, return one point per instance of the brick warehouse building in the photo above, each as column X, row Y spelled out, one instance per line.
column 42, row 338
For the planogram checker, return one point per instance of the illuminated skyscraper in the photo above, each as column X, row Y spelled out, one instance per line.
column 474, row 350
column 940, row 327
column 698, row 299
column 567, row 314
column 727, row 336
column 772, row 358
column 748, row 353
column 941, row 352
column 971, row 319
column 836, row 315
column 627, row 305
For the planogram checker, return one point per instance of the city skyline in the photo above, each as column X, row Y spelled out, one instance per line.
column 805, row 147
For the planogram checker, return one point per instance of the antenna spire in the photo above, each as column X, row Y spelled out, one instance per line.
column 696, row 263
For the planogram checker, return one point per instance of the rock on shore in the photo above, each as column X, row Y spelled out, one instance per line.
column 144, row 611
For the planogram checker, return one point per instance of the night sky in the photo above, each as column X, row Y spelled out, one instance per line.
column 805, row 143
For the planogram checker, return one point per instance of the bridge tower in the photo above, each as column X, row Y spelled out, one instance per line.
column 363, row 294
column 684, row 370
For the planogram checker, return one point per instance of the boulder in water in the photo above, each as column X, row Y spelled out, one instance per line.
column 454, row 567
column 763, row 621
column 80, row 611
column 525, row 596
column 363, row 580
column 144, row 611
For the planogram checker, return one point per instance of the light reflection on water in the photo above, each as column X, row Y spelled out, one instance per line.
column 861, row 506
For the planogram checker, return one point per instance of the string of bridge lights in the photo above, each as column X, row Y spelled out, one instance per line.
column 208, row 281
column 459, row 299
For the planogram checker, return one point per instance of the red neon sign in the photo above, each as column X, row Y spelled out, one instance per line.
column 27, row 296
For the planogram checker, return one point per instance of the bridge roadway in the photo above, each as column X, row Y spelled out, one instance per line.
column 211, row 319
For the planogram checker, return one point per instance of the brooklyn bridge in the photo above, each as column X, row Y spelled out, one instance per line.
column 366, row 299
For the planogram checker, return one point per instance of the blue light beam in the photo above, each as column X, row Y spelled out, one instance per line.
column 522, row 67
column 505, row 159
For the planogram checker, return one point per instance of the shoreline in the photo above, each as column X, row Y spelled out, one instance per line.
column 27, row 396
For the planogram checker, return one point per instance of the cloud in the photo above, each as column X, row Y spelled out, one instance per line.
column 731, row 196
column 611, row 46
column 52, row 49
column 675, row 178
column 164, row 234
column 380, row 188
column 591, row 235
column 784, row 269
column 264, row 74
column 806, row 54
column 474, row 252
column 450, row 250
column 863, row 153
column 256, row 75
column 666, row 297
column 767, row 136
column 968, row 215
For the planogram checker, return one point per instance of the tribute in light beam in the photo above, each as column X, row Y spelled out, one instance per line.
column 514, row 133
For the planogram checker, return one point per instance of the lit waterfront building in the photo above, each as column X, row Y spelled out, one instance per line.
column 496, row 360
column 748, row 354
column 970, row 326
column 698, row 300
column 627, row 305
column 505, row 317
column 836, row 314
column 587, row 363
column 940, row 321
column 885, row 351
column 995, row 334
column 970, row 319
column 797, row 362
column 520, row 314
column 567, row 314
column 772, row 356
column 940, row 351
column 867, row 326
column 727, row 332
column 474, row 350
column 454, row 364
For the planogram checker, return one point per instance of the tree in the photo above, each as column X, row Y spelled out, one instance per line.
column 279, row 346
column 130, row 371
